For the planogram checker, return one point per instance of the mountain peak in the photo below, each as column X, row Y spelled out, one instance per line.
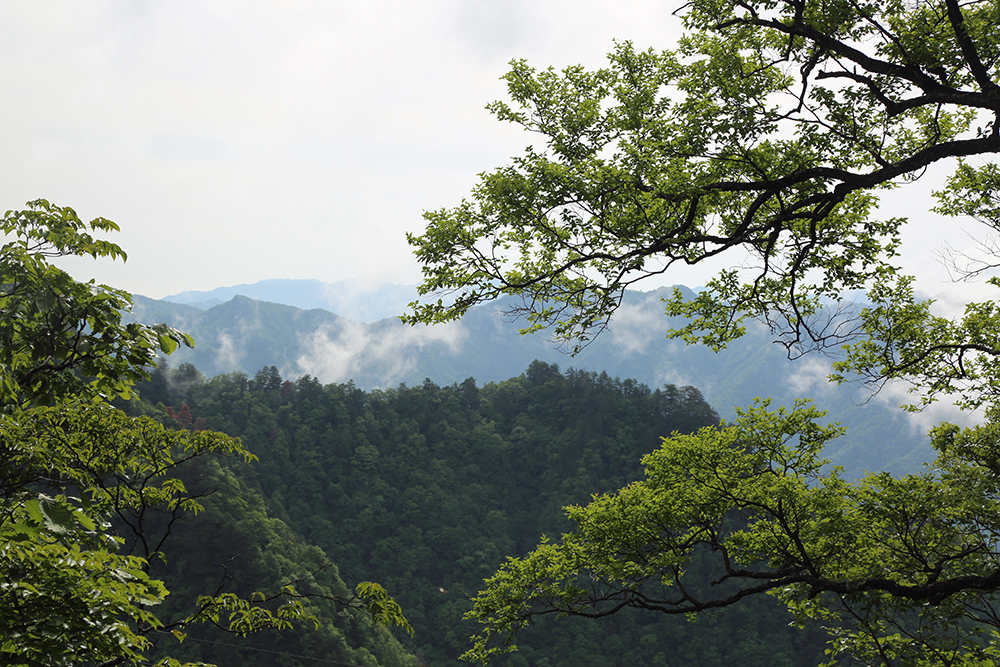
column 356, row 299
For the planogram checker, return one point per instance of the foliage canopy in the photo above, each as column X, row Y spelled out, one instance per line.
column 60, row 337
column 89, row 495
column 428, row 488
column 767, row 135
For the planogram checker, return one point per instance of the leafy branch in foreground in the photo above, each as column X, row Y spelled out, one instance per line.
column 88, row 495
column 62, row 337
column 231, row 613
column 769, row 131
column 766, row 137
column 78, row 563
column 756, row 500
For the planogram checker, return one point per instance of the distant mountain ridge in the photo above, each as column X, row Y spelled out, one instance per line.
column 355, row 299
column 244, row 334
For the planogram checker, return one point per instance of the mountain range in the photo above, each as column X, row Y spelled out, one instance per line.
column 355, row 299
column 246, row 334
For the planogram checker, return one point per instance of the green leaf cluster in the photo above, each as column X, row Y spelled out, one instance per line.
column 61, row 337
column 89, row 495
column 770, row 129
column 902, row 568
column 428, row 489
column 765, row 136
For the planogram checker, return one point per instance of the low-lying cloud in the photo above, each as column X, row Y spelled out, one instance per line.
column 637, row 326
column 809, row 376
column 943, row 410
column 384, row 355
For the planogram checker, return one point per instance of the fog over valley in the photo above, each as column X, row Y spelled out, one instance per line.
column 245, row 334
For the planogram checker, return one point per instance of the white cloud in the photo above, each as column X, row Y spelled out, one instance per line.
column 667, row 374
column 951, row 301
column 387, row 352
column 896, row 394
column 636, row 326
column 228, row 354
column 809, row 376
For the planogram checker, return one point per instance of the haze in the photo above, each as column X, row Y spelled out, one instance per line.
column 239, row 141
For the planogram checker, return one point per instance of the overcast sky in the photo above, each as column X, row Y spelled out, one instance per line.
column 236, row 141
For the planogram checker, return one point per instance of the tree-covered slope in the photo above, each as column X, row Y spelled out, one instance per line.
column 428, row 489
column 233, row 546
column 245, row 335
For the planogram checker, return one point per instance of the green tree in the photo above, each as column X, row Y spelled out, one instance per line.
column 428, row 489
column 769, row 132
column 81, row 482
column 61, row 337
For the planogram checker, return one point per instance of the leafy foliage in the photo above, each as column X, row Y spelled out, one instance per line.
column 60, row 337
column 77, row 591
column 768, row 132
column 88, row 496
column 381, row 606
column 428, row 489
column 754, row 494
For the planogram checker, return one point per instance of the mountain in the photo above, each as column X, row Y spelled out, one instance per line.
column 246, row 335
column 362, row 300
column 241, row 334
column 428, row 489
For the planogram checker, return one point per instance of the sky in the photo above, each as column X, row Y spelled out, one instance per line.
column 236, row 141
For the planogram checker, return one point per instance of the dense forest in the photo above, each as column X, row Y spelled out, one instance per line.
column 244, row 335
column 427, row 490
column 194, row 516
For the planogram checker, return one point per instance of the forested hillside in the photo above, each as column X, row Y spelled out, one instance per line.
column 428, row 489
column 235, row 546
column 245, row 335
